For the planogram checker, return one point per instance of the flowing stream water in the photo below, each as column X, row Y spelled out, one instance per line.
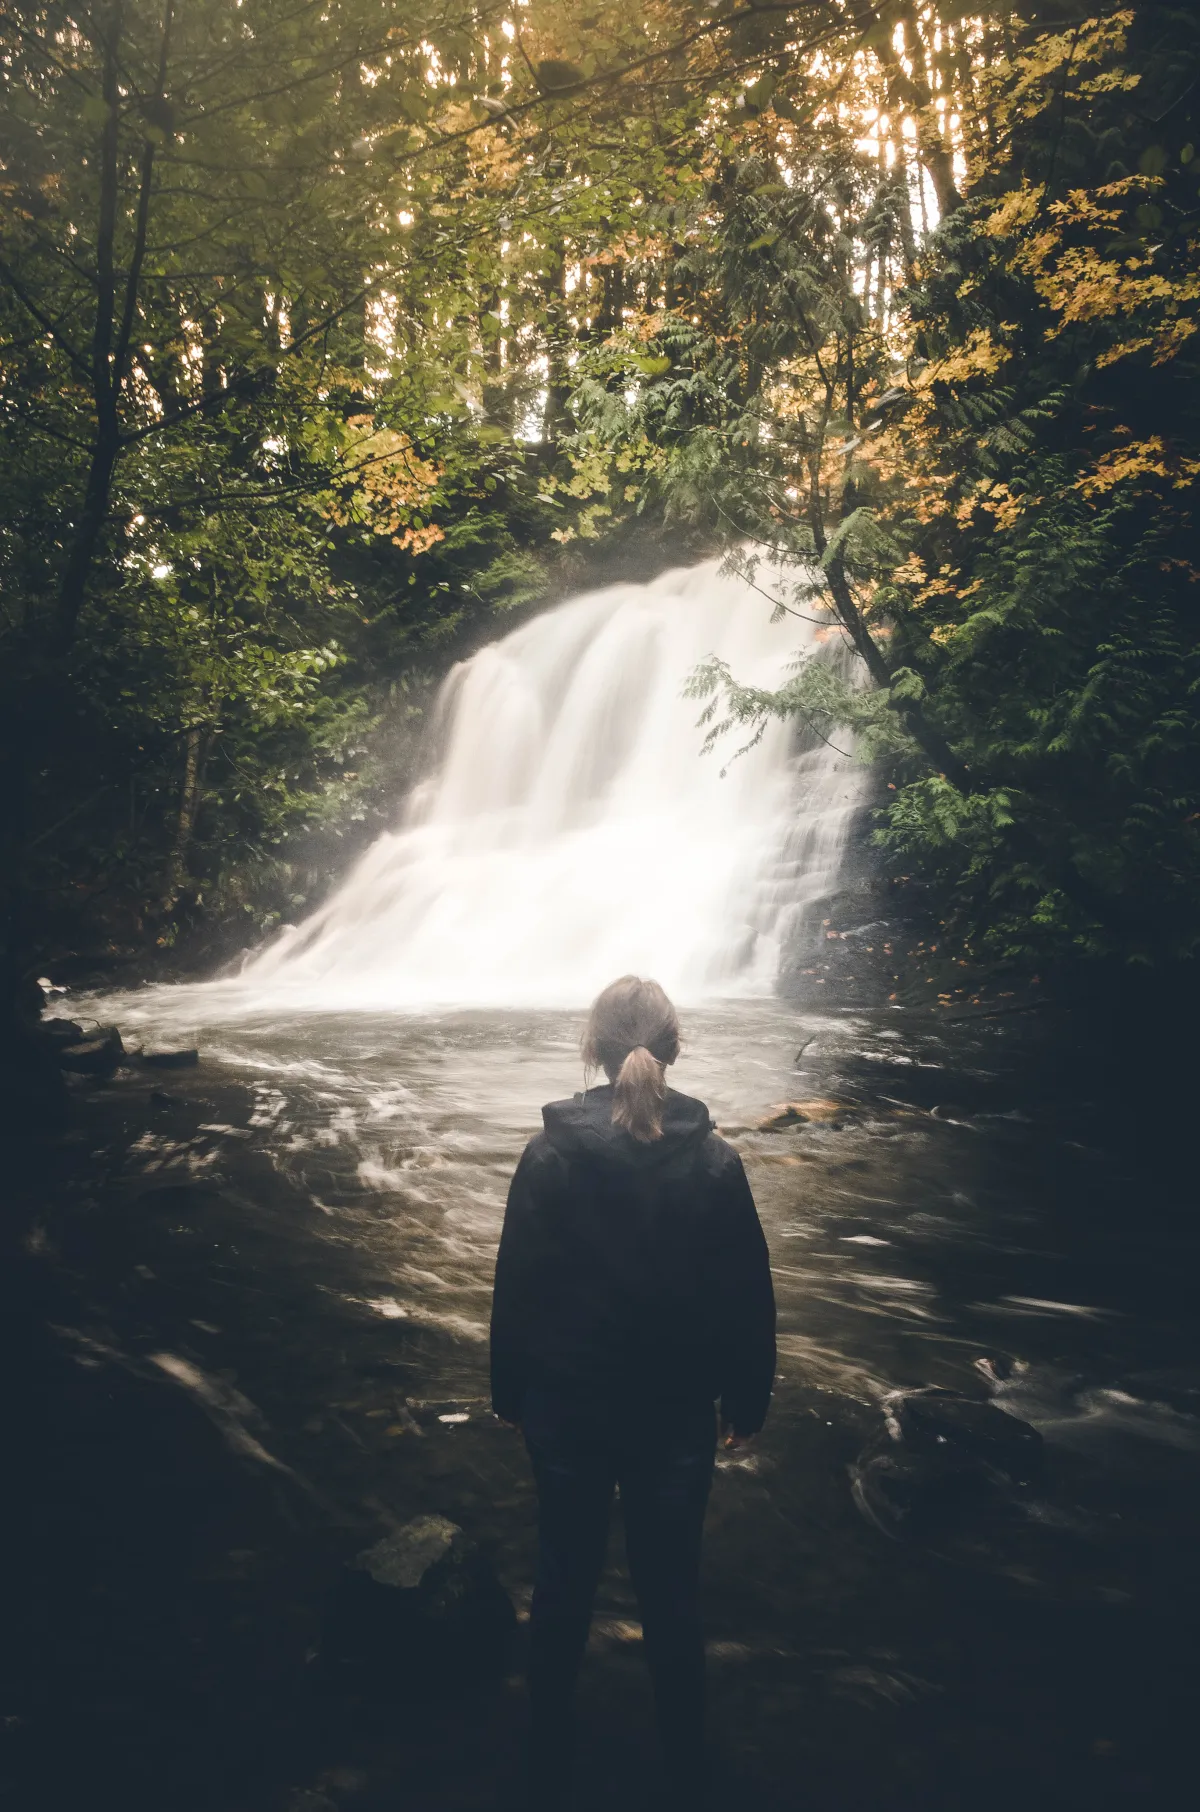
column 310, row 1224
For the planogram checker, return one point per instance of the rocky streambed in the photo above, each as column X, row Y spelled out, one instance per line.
column 245, row 1308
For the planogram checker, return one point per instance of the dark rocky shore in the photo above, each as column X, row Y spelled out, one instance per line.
column 176, row 1570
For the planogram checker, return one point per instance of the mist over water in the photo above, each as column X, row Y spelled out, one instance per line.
column 571, row 829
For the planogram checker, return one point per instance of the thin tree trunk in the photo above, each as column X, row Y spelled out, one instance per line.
column 904, row 205
column 916, row 90
column 112, row 338
column 612, row 299
column 558, row 382
column 195, row 750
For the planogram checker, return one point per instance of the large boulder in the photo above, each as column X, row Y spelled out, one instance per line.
column 423, row 1606
column 943, row 1460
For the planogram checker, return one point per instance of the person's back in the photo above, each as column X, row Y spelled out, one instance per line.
column 633, row 1268
column 632, row 1291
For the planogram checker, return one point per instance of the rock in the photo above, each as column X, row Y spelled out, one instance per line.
column 796, row 1113
column 917, row 1495
column 943, row 1459
column 62, row 1031
column 404, row 1559
column 98, row 1056
column 786, row 1114
column 932, row 1419
column 93, row 1056
column 171, row 1060
column 422, row 1605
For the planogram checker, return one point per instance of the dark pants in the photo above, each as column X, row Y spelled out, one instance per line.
column 662, row 1463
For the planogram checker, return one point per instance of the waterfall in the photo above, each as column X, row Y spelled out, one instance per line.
column 571, row 830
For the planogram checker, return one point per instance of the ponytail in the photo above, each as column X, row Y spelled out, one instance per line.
column 640, row 1094
column 632, row 1035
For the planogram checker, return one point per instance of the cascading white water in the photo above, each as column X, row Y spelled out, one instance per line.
column 572, row 830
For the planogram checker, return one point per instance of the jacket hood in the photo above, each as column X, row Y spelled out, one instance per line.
column 582, row 1127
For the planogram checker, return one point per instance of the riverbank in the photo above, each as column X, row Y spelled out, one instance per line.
column 303, row 1225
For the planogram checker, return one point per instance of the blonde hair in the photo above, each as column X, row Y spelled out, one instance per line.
column 632, row 1034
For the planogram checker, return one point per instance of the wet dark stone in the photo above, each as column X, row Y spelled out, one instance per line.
column 61, row 1032
column 943, row 1460
column 170, row 1060
column 937, row 1419
column 918, row 1494
column 423, row 1606
column 98, row 1056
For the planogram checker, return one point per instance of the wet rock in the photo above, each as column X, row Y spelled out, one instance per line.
column 170, row 1060
column 405, row 1558
column 59, row 1032
column 785, row 1115
column 422, row 1605
column 915, row 1495
column 932, row 1419
column 943, row 1460
column 98, row 1056
column 797, row 1113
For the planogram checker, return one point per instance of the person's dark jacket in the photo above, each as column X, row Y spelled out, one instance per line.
column 635, row 1271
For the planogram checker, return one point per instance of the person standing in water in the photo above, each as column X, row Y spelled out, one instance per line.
column 633, row 1294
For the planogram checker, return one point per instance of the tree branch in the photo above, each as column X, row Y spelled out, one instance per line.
column 44, row 321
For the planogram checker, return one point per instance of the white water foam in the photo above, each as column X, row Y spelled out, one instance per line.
column 573, row 831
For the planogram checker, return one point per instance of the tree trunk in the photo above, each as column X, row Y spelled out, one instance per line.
column 916, row 91
column 93, row 519
column 904, row 203
column 612, row 299
column 558, row 381
column 195, row 752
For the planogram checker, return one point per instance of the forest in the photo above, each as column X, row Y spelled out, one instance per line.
column 496, row 495
column 336, row 336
